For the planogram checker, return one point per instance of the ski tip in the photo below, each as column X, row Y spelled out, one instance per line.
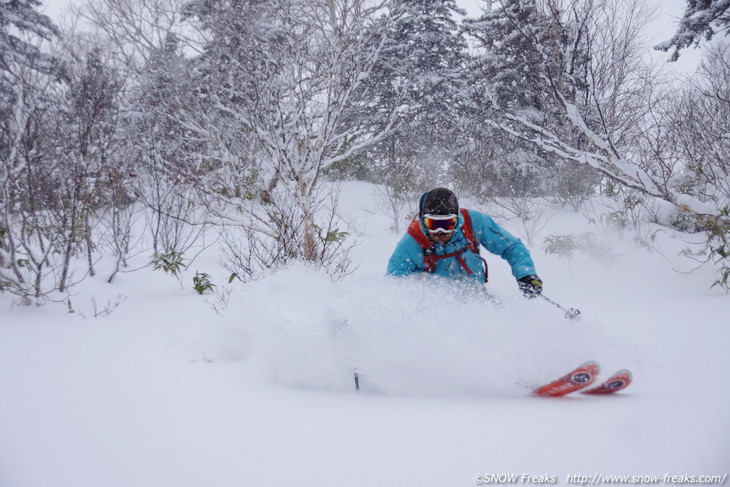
column 591, row 365
column 618, row 381
column 577, row 379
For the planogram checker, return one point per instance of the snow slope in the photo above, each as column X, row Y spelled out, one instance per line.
column 165, row 392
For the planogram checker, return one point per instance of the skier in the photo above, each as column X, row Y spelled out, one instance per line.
column 445, row 241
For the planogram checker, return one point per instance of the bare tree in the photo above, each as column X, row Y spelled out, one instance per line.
column 92, row 166
column 136, row 29
column 700, row 129
column 246, row 252
column 247, row 103
column 697, row 142
column 28, row 169
column 612, row 106
column 288, row 78
column 145, row 40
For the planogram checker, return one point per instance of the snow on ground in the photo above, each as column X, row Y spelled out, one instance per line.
column 164, row 391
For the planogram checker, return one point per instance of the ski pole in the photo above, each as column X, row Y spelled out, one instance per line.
column 496, row 301
column 570, row 313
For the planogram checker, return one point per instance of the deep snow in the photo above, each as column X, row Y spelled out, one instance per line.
column 164, row 391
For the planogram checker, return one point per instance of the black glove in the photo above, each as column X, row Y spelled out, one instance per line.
column 531, row 286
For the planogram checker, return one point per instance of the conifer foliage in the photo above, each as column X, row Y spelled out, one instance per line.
column 702, row 19
column 420, row 69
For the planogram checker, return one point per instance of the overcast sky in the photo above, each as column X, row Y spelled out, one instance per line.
column 657, row 31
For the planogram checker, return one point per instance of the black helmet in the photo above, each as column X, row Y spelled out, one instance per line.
column 439, row 201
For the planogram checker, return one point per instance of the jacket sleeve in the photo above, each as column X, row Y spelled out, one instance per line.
column 407, row 258
column 499, row 241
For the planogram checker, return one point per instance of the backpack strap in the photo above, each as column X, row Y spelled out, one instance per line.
column 472, row 243
column 429, row 253
column 468, row 230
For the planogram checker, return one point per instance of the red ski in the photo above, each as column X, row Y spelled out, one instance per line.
column 575, row 380
column 619, row 380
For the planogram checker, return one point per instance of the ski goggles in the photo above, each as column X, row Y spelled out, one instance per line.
column 440, row 223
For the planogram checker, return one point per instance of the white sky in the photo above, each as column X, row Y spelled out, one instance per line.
column 659, row 30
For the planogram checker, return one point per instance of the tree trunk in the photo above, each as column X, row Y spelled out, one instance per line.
column 70, row 238
column 89, row 244
column 309, row 243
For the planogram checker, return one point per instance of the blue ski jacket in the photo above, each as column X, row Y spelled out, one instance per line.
column 408, row 255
